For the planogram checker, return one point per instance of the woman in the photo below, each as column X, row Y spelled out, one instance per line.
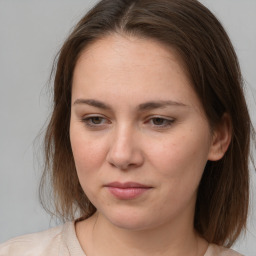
column 148, row 144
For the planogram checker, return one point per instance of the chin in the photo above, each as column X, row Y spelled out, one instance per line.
column 130, row 219
column 130, row 224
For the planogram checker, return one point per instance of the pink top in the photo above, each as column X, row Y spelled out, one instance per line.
column 62, row 241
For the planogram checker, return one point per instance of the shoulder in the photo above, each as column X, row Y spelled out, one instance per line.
column 215, row 250
column 42, row 243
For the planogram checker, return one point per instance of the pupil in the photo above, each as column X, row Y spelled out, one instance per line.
column 158, row 121
column 96, row 120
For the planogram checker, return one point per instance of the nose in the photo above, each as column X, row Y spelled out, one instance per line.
column 124, row 151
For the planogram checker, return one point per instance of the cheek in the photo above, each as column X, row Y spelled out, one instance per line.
column 88, row 152
column 179, row 164
column 181, row 158
column 89, row 155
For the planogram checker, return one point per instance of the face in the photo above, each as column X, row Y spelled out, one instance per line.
column 139, row 135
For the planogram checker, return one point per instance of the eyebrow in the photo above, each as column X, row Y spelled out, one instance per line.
column 142, row 107
column 93, row 103
column 159, row 104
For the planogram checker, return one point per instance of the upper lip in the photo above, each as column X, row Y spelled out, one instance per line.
column 117, row 184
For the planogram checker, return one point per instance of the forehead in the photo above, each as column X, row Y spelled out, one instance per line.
column 123, row 66
column 130, row 51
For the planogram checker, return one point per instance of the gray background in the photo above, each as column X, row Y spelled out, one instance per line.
column 31, row 32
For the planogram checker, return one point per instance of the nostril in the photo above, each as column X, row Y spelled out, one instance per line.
column 125, row 161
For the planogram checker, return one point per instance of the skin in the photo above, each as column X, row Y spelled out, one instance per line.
column 116, row 136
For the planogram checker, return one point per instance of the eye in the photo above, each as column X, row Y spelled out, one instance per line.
column 94, row 121
column 160, row 122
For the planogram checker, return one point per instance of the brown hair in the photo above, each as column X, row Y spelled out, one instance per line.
column 211, row 62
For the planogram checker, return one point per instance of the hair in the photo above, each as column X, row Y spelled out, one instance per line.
column 211, row 62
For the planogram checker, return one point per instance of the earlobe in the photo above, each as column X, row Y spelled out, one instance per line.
column 221, row 138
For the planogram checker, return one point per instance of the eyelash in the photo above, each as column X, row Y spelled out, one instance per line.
column 88, row 121
column 168, row 122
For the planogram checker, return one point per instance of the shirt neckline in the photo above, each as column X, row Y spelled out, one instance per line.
column 71, row 240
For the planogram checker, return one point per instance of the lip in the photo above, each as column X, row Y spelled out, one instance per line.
column 127, row 190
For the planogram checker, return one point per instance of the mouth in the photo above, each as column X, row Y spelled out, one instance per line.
column 128, row 190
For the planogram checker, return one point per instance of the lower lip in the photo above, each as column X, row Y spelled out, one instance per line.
column 127, row 193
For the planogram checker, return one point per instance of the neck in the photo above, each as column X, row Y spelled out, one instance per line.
column 101, row 237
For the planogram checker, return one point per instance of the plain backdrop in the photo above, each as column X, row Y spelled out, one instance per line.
column 31, row 33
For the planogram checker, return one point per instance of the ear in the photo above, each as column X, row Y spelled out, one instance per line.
column 221, row 138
